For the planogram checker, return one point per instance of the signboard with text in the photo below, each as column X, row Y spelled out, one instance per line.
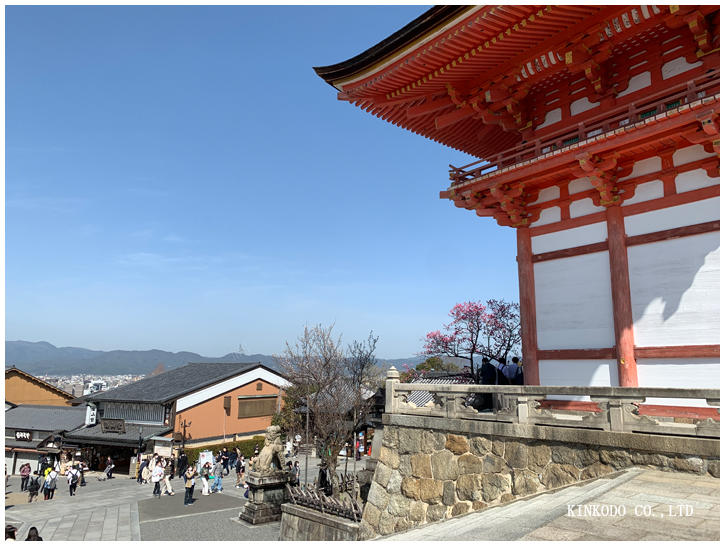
column 24, row 435
column 117, row 426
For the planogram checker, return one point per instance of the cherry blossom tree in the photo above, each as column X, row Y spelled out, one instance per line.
column 490, row 331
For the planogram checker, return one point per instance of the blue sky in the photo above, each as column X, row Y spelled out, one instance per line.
column 179, row 178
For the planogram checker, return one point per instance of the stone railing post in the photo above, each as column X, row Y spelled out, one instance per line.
column 522, row 409
column 617, row 410
column 392, row 402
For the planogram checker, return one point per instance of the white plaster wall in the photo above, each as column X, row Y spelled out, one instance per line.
column 548, row 216
column 690, row 373
column 675, row 290
column 688, row 214
column 584, row 235
column 574, row 302
column 582, row 207
column 677, row 66
column 581, row 105
column 640, row 81
column 694, row 180
column 547, row 194
column 579, row 185
column 557, row 373
column 552, row 116
column 646, row 192
column 646, row 166
column 689, row 154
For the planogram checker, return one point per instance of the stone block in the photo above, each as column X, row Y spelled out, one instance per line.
column 557, row 475
column 494, row 485
column 468, row 487
column 411, row 488
column 480, row 446
column 417, row 511
column 577, row 455
column 713, row 467
column 652, row 459
column 506, row 497
column 371, row 514
column 382, row 474
column 616, row 458
column 431, row 491
column 444, row 465
column 398, row 505
column 367, row 531
column 387, row 524
column 516, row 454
column 457, row 444
column 389, row 457
column 493, row 464
column 394, row 482
column 390, row 437
column 378, row 496
column 432, row 441
column 689, row 464
column 479, row 505
column 409, row 440
column 539, row 456
column 460, row 508
column 402, row 525
column 469, row 464
column 436, row 512
column 449, row 493
column 595, row 471
column 421, row 466
column 497, row 447
column 405, row 467
column 524, row 482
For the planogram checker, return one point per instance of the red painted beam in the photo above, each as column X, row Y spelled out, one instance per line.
column 527, row 301
column 577, row 354
column 678, row 351
column 621, row 299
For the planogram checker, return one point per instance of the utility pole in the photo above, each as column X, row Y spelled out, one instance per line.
column 184, row 424
column 307, row 436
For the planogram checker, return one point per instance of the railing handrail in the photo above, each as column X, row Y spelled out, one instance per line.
column 535, row 390
column 686, row 90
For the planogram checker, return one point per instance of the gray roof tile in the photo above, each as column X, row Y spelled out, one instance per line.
column 175, row 383
column 36, row 417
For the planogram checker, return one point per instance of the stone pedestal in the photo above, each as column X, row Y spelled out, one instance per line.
column 266, row 494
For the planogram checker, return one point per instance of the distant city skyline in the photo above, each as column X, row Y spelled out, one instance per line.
column 178, row 178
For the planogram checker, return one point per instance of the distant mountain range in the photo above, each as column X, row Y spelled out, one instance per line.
column 42, row 357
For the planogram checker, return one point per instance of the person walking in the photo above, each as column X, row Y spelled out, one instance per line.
column 189, row 485
column 141, row 468
column 183, row 463
column 205, row 473
column 168, row 473
column 73, row 476
column 296, row 473
column 218, row 475
column 50, row 485
column 225, row 460
column 24, row 476
column 238, row 470
column 33, row 534
column 156, row 476
column 33, row 487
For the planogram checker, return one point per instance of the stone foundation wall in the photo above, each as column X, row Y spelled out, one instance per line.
column 424, row 476
column 302, row 523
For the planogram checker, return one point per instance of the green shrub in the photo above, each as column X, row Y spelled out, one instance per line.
column 245, row 446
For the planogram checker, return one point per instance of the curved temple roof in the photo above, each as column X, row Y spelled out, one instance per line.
column 460, row 75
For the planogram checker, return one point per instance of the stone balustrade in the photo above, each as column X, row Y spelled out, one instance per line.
column 613, row 409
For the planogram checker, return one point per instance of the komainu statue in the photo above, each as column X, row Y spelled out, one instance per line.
column 270, row 458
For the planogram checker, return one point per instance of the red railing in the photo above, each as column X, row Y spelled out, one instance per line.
column 622, row 116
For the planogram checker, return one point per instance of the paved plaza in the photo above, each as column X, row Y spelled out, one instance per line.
column 652, row 505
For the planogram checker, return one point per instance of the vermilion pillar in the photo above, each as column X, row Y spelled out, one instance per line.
column 621, row 299
column 527, row 300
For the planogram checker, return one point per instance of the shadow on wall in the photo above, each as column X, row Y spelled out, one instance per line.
column 663, row 273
